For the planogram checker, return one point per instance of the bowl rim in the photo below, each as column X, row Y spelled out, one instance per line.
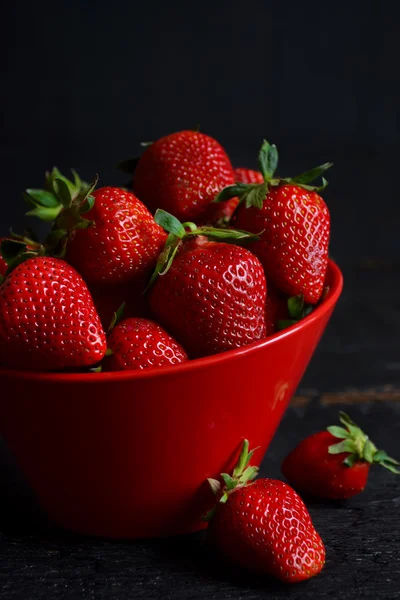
column 197, row 363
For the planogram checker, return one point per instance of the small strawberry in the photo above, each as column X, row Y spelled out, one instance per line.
column 264, row 525
column 47, row 318
column 209, row 294
column 295, row 222
column 248, row 176
column 137, row 343
column 182, row 173
column 108, row 235
column 325, row 468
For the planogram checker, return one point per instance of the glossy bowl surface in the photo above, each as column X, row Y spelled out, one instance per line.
column 126, row 455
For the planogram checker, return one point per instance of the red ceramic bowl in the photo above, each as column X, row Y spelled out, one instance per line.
column 126, row 455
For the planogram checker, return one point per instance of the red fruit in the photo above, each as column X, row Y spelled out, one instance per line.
column 265, row 527
column 182, row 173
column 248, row 176
column 141, row 344
column 122, row 245
column 47, row 318
column 325, row 468
column 212, row 298
column 295, row 225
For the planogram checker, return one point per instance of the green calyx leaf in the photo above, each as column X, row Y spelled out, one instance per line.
column 358, row 446
column 178, row 232
column 295, row 306
column 170, row 223
column 117, row 317
column 75, row 186
column 254, row 195
column 268, row 160
column 242, row 474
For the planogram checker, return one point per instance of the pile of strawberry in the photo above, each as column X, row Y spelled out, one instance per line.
column 196, row 260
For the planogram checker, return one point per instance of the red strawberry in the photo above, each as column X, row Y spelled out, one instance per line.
column 212, row 297
column 248, row 176
column 295, row 225
column 182, row 173
column 141, row 344
column 325, row 468
column 47, row 318
column 117, row 240
column 264, row 526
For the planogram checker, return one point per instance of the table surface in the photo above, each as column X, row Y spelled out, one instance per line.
column 356, row 368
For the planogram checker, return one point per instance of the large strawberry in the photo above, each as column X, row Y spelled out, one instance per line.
column 295, row 225
column 182, row 173
column 108, row 235
column 47, row 318
column 324, row 467
column 264, row 525
column 136, row 343
column 210, row 295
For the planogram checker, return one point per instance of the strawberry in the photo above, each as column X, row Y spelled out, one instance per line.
column 137, row 343
column 182, row 173
column 295, row 225
column 116, row 241
column 248, row 176
column 322, row 467
column 210, row 295
column 47, row 318
column 263, row 525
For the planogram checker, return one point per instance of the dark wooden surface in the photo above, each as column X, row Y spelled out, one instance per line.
column 357, row 367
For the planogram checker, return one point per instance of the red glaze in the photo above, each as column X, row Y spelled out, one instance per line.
column 293, row 247
column 212, row 298
column 312, row 470
column 182, row 173
column 48, row 320
column 124, row 243
column 265, row 527
column 126, row 455
column 141, row 344
column 248, row 176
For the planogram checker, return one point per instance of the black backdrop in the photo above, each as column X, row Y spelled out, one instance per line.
column 85, row 82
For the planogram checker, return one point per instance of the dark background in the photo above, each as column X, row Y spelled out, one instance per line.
column 85, row 82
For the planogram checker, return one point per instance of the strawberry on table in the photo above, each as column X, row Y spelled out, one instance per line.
column 182, row 173
column 209, row 294
column 248, row 176
column 137, row 343
column 324, row 467
column 108, row 235
column 263, row 525
column 295, row 225
column 48, row 320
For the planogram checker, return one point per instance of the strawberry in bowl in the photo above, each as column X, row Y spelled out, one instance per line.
column 119, row 439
